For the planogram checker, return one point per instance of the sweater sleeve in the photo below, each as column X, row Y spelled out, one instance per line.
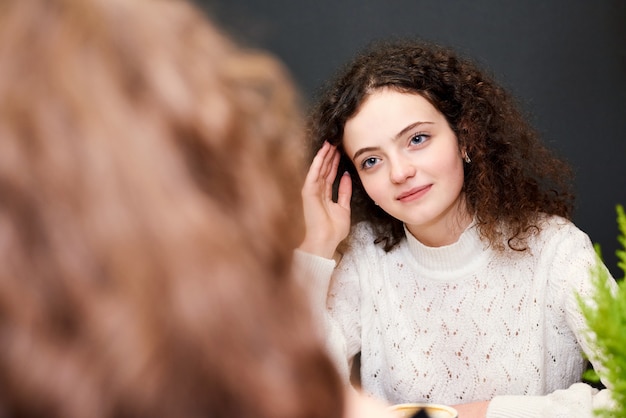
column 571, row 261
column 334, row 297
column 577, row 401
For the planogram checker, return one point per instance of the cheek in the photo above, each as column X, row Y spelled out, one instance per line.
column 452, row 169
column 373, row 187
column 456, row 177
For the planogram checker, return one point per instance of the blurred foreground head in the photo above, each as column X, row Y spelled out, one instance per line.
column 149, row 205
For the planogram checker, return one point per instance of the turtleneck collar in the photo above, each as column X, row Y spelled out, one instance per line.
column 449, row 261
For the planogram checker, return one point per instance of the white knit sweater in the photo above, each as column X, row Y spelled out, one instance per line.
column 463, row 322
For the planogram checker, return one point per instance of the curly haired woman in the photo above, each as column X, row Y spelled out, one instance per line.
column 457, row 282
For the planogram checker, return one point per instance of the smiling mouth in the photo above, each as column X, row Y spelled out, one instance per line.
column 413, row 194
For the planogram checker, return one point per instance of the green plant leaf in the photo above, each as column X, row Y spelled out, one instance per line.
column 605, row 315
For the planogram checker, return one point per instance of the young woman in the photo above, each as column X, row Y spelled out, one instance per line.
column 457, row 283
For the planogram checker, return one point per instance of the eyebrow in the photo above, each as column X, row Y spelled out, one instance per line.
column 395, row 138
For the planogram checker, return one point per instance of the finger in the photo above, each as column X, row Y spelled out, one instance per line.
column 333, row 165
column 345, row 191
column 327, row 164
column 331, row 174
column 317, row 165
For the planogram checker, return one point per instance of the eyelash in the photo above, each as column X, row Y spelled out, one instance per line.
column 417, row 135
column 424, row 137
column 364, row 163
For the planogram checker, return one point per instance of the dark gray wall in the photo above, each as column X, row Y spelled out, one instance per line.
column 565, row 60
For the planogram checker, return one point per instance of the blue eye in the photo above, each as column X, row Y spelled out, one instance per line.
column 418, row 139
column 369, row 162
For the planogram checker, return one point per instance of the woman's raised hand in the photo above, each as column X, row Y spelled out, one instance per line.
column 327, row 222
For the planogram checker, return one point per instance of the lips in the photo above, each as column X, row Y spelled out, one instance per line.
column 414, row 193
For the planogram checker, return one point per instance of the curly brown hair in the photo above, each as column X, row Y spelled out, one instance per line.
column 512, row 177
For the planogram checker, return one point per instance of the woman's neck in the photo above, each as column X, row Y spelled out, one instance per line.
column 445, row 229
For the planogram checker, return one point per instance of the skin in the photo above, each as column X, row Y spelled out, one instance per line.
column 327, row 222
column 410, row 164
column 473, row 410
column 359, row 405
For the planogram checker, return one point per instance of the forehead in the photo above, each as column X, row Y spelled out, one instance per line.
column 385, row 113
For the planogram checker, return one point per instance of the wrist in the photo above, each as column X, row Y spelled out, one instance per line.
column 318, row 248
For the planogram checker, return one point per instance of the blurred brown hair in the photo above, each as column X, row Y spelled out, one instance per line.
column 149, row 205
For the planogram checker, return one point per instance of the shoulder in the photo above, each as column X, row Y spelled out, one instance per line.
column 564, row 249
column 556, row 230
column 361, row 244
column 553, row 239
column 544, row 231
column 362, row 238
column 362, row 231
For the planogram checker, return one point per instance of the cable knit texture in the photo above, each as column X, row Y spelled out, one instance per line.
column 463, row 322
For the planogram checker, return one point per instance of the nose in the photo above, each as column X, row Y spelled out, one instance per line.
column 401, row 169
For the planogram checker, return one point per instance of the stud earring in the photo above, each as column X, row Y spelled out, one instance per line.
column 466, row 157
